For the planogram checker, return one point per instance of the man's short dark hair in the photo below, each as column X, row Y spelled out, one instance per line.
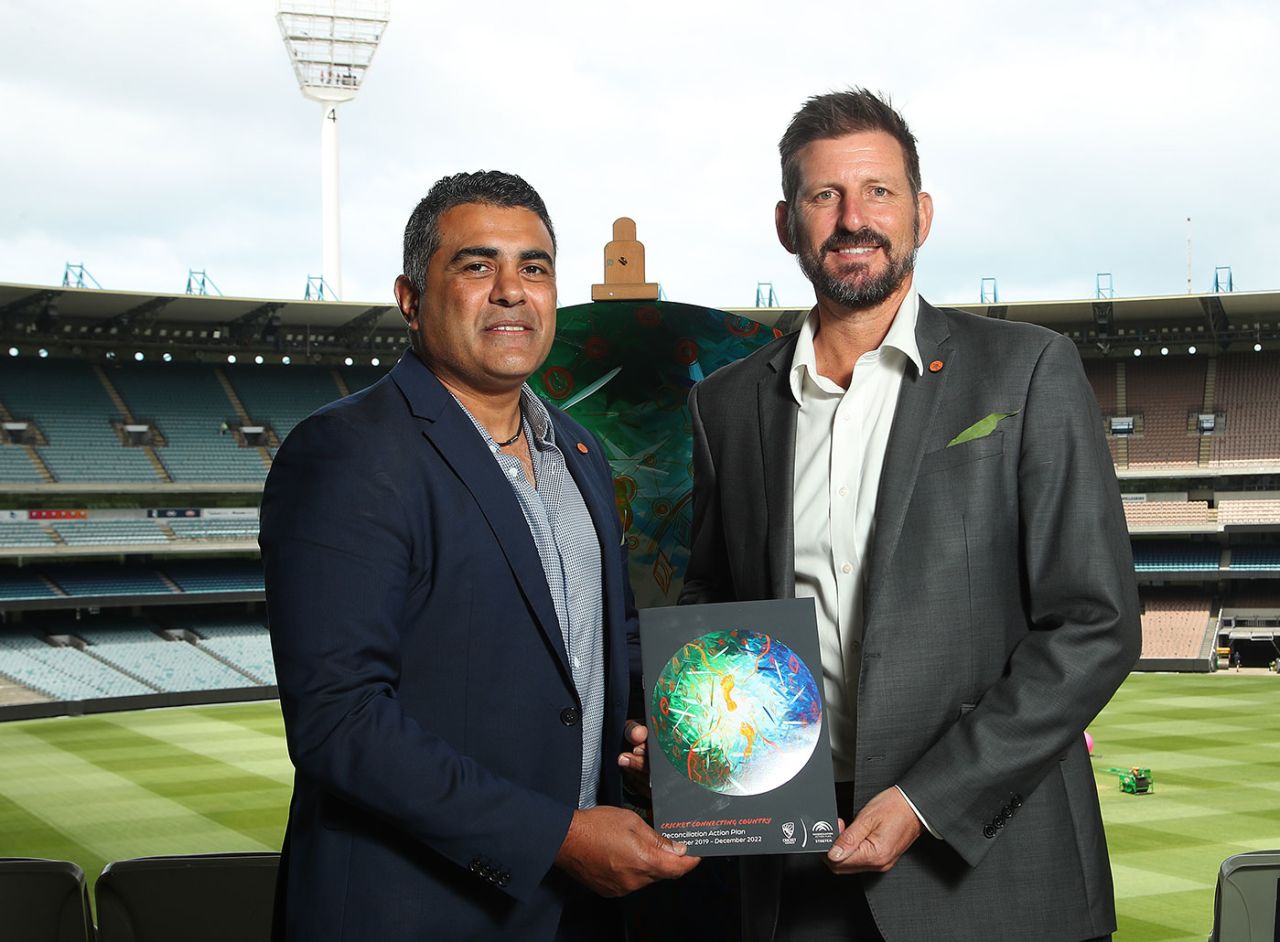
column 836, row 114
column 491, row 187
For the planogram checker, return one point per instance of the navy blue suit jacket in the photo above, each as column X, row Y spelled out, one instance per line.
column 428, row 703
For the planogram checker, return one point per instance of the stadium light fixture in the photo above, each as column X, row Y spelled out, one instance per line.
column 14, row 351
column 231, row 358
column 331, row 44
column 43, row 353
column 1257, row 348
column 286, row 359
column 1137, row 351
column 1192, row 349
column 349, row 361
column 1164, row 351
column 258, row 359
column 375, row 362
column 138, row 356
column 168, row 357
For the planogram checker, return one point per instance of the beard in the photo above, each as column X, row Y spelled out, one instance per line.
column 846, row 288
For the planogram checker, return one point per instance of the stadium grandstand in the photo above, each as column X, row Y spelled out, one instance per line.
column 138, row 430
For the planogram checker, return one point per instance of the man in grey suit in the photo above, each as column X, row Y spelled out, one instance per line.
column 939, row 483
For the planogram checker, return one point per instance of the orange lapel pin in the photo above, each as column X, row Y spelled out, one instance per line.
column 935, row 366
column 582, row 448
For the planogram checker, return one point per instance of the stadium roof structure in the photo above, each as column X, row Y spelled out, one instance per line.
column 80, row 320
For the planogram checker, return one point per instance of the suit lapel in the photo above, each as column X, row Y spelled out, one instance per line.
column 449, row 430
column 917, row 407
column 600, row 505
column 778, row 448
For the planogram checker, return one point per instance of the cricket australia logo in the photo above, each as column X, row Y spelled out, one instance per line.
column 789, row 832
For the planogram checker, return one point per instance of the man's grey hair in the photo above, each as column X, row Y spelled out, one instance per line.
column 490, row 187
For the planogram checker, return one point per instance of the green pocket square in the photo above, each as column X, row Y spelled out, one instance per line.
column 982, row 428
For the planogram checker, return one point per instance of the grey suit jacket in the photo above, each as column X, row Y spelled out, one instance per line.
column 1001, row 613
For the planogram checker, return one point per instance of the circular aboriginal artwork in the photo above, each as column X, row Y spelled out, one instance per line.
column 737, row 712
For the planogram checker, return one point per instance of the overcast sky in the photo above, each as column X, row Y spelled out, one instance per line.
column 148, row 137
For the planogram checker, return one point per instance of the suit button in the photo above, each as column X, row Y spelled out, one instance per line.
column 989, row 832
column 569, row 716
column 1015, row 802
column 998, row 822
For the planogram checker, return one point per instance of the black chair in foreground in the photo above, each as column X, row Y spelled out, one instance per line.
column 198, row 898
column 43, row 901
column 1246, row 904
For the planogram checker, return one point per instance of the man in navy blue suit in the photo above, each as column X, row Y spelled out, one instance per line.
column 451, row 619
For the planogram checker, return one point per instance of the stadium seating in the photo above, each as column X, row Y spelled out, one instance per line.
column 246, row 644
column 217, row 528
column 71, row 406
column 200, row 898
column 282, row 397
column 1255, row 557
column 1246, row 907
column 106, row 579
column 1174, row 624
column 1169, row 556
column 360, row 377
column 62, row 673
column 1248, row 395
column 43, row 901
column 1158, row 515
column 16, row 466
column 17, row 584
column 189, row 407
column 24, row 533
column 164, row 664
column 1244, row 512
column 1165, row 392
column 110, row 532
column 215, row 575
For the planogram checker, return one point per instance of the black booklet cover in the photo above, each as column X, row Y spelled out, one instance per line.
column 739, row 756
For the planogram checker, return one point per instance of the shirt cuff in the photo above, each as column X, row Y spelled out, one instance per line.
column 932, row 832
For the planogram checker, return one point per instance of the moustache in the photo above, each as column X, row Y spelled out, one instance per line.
column 844, row 239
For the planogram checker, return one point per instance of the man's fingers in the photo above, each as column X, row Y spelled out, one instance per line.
column 636, row 732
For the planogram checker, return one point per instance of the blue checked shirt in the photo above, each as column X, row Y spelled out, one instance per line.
column 569, row 548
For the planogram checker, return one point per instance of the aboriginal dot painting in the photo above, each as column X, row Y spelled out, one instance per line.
column 624, row 369
column 737, row 712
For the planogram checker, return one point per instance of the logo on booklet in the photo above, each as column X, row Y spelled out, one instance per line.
column 822, row 832
column 789, row 832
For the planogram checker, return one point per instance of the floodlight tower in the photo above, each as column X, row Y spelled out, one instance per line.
column 331, row 43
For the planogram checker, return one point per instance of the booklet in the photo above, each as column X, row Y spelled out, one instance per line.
column 739, row 756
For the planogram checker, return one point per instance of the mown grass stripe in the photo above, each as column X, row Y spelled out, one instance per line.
column 236, row 802
column 111, row 815
column 208, row 735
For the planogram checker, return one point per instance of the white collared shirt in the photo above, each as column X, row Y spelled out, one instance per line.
column 841, row 436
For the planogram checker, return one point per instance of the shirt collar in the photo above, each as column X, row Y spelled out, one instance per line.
column 533, row 412
column 901, row 337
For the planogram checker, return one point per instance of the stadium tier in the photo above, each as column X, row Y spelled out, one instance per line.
column 281, row 398
column 1249, row 398
column 191, row 408
column 125, row 657
column 71, row 409
column 215, row 575
column 1163, row 515
column 1167, row 556
column 1176, row 625
column 1165, row 393
column 246, row 644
